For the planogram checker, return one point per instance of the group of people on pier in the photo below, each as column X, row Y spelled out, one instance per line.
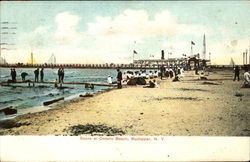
column 36, row 72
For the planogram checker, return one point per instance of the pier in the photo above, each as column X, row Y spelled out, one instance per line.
column 82, row 66
column 32, row 83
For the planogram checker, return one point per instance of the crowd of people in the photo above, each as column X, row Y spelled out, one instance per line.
column 124, row 78
column 138, row 77
column 173, row 72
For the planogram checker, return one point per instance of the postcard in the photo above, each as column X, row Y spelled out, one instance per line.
column 124, row 80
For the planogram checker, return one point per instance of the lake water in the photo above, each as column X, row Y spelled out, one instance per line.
column 30, row 99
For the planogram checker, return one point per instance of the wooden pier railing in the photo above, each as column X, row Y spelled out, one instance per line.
column 82, row 66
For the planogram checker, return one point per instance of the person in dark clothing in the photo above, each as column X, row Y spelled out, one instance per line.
column 41, row 75
column 171, row 73
column 237, row 73
column 14, row 75
column 62, row 74
column 23, row 75
column 119, row 79
column 167, row 73
column 36, row 72
column 151, row 85
column 59, row 75
column 162, row 71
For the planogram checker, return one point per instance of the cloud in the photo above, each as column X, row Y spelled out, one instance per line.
column 41, row 30
column 66, row 31
column 111, row 39
column 137, row 23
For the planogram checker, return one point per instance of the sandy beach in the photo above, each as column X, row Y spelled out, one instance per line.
column 192, row 107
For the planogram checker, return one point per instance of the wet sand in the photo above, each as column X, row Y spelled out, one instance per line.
column 192, row 107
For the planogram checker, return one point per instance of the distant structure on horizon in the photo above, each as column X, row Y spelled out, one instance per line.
column 52, row 59
column 32, row 60
column 2, row 60
column 232, row 62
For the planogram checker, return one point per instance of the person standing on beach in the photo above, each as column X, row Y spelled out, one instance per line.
column 162, row 71
column 237, row 73
column 36, row 72
column 41, row 75
column 119, row 79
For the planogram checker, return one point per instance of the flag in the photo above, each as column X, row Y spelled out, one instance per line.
column 192, row 43
column 135, row 52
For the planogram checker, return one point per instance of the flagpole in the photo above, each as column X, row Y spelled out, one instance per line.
column 133, row 56
column 191, row 53
column 243, row 58
column 134, row 52
column 246, row 57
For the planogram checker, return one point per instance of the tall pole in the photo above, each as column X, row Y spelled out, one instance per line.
column 246, row 56
column 191, row 49
column 210, row 57
column 204, row 47
column 134, row 52
column 249, row 53
column 243, row 58
column 31, row 58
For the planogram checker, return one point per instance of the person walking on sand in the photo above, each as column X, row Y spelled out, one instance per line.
column 41, row 75
column 36, row 72
column 237, row 73
column 119, row 79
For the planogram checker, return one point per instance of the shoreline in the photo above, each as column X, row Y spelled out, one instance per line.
column 68, row 100
column 189, row 107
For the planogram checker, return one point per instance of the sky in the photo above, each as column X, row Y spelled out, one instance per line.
column 109, row 31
